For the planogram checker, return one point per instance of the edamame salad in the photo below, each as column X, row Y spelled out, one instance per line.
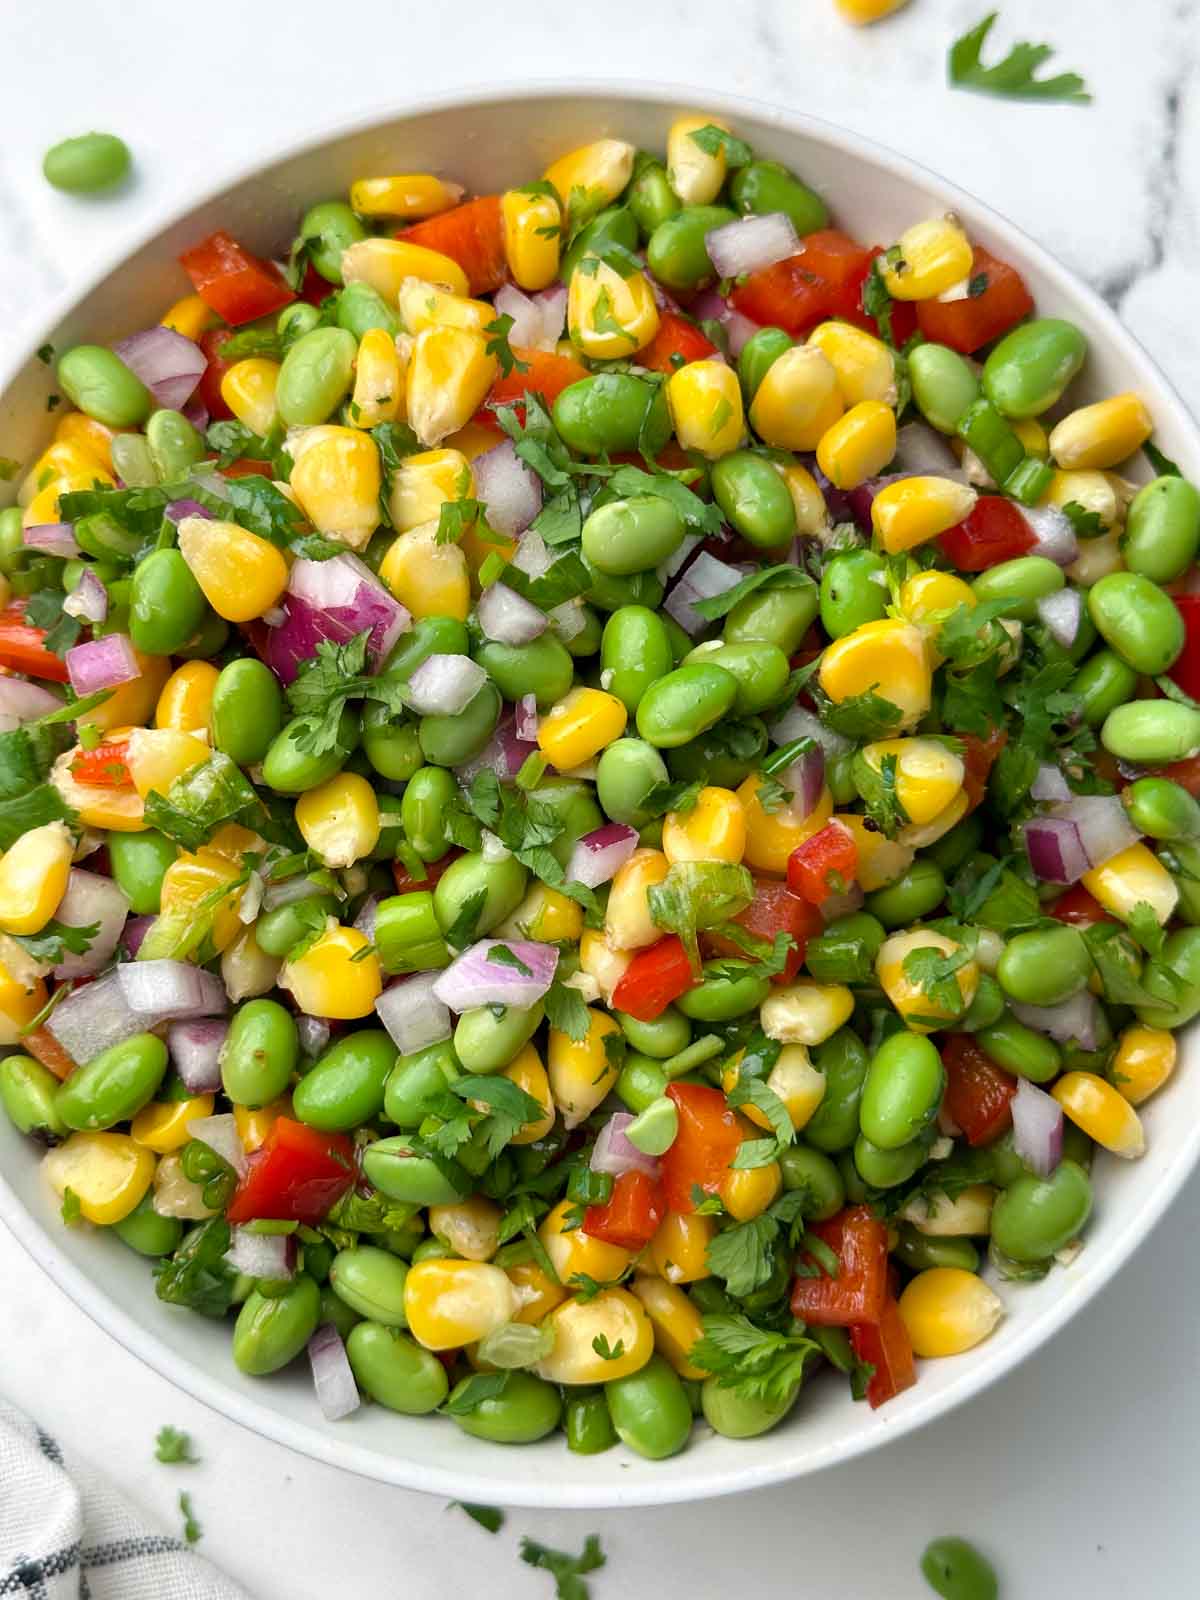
column 598, row 805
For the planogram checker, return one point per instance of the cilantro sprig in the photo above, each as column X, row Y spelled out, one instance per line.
column 1015, row 76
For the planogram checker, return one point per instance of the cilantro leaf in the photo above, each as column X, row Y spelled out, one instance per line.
column 57, row 940
column 933, row 973
column 1144, row 926
column 1163, row 466
column 754, row 1362
column 323, row 685
column 716, row 141
column 197, row 1275
column 173, row 1448
column 699, row 894
column 1014, row 76
column 881, row 795
column 489, row 1517
column 970, row 635
column 863, row 716
column 461, row 931
column 784, row 576
column 474, row 1391
column 877, row 301
column 498, row 346
column 605, row 1351
column 744, row 1255
column 19, row 814
column 566, row 1010
column 678, row 797
column 1087, row 524
column 566, row 1570
column 191, row 1528
column 200, row 800
column 458, row 517
column 761, row 1152
column 702, row 515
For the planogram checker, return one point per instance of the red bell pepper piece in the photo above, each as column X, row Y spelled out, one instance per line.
column 706, row 1143
column 631, row 1216
column 313, row 287
column 979, row 757
column 208, row 390
column 886, row 1346
column 471, row 234
column 677, row 342
column 857, row 1294
column 547, row 373
column 405, row 882
column 653, row 979
column 825, row 864
column 774, row 909
column 979, row 1095
column 44, row 1047
column 104, row 766
column 967, row 325
column 296, row 1176
column 1186, row 670
column 995, row 531
column 22, row 647
column 836, row 258
column 848, row 304
column 788, row 295
column 1079, row 908
column 238, row 286
column 246, row 468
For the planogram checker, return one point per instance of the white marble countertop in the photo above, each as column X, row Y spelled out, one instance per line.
column 1078, row 1472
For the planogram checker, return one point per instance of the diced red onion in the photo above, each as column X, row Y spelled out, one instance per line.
column 21, row 701
column 507, row 617
column 1037, row 1128
column 220, row 1133
column 102, row 663
column 710, row 306
column 801, row 723
column 805, row 779
column 921, row 449
column 1103, row 823
column 751, row 243
column 600, row 854
column 703, row 580
column 315, row 1034
column 168, row 364
column 333, row 1377
column 1062, row 614
column 568, row 620
column 1075, row 1020
column 195, row 1050
column 91, row 901
column 136, row 930
column 504, row 754
column 1056, row 537
column 842, row 905
column 552, row 304
column 412, row 1014
column 525, row 723
column 176, row 510
column 510, row 489
column 837, row 501
column 262, row 1255
column 1049, row 784
column 88, row 600
column 344, row 592
column 444, row 685
column 167, row 990
column 288, row 890
column 365, row 920
column 533, row 555
column 476, row 980
column 1055, row 849
column 93, row 1017
column 1071, row 839
column 528, row 331
column 613, row 1152
column 197, row 414
column 53, row 538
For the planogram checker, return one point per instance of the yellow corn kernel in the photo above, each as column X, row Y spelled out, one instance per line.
column 713, row 830
column 919, row 836
column 1101, row 435
column 678, row 1252
column 591, row 177
column 579, row 726
column 155, row 757
column 676, row 1322
column 532, row 231
column 93, row 438
column 909, row 999
column 1096, row 559
column 411, row 195
column 528, row 1073
column 914, row 510
column 865, row 367
column 1132, row 875
column 628, row 924
column 928, row 774
column 597, row 958
column 431, row 579
column 861, row 12
column 471, row 441
column 64, row 459
column 1144, row 1060
column 190, row 316
column 231, row 841
column 968, row 1215
column 450, row 1303
column 246, row 968
column 546, row 915
column 1103, row 1113
column 575, row 1253
column 880, row 860
column 253, row 1125
column 33, row 877
column 163, row 1124
column 695, row 174
column 326, row 981
column 185, row 704
column 537, row 1294
column 421, row 484
column 241, row 574
column 336, row 481
column 449, row 375
column 812, row 514
column 746, row 1192
column 470, row 1227
column 192, row 878
column 771, row 836
column 339, row 819
column 248, row 389
column 44, row 505
column 1092, row 490
column 928, row 596
column 385, row 263
column 948, row 1310
column 705, row 402
column 934, row 256
column 108, row 1173
column 131, row 704
column 580, row 1325
column 21, row 998
column 858, row 445
column 378, row 381
column 1032, row 435
column 797, row 1083
column 888, row 656
column 798, row 400
column 582, row 1071
column 805, row 1012
column 424, row 305
column 175, row 1195
column 610, row 316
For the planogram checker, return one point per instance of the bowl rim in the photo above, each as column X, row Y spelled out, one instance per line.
column 762, row 1468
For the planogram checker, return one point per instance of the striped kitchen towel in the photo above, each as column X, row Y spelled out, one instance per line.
column 67, row 1534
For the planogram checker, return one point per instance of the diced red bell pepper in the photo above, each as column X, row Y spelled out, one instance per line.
column 547, row 373
column 296, row 1175
column 774, row 909
column 247, row 468
column 1186, row 669
column 836, row 258
column 967, row 325
column 886, row 1346
column 1079, row 908
column 979, row 757
column 653, row 979
column 706, row 1143
column 979, row 1095
column 208, row 390
column 44, row 1047
column 104, row 766
column 471, row 234
column 788, row 295
column 677, row 342
column 238, row 286
column 23, row 649
column 857, row 1294
column 995, row 531
column 631, row 1216
column 313, row 287
column 848, row 304
column 825, row 864
column 405, row 882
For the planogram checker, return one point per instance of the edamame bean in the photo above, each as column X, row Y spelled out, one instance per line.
column 761, row 671
column 100, row 384
column 811, row 1171
column 448, row 741
column 423, row 807
column 328, row 229
column 371, row 1281
column 296, row 320
column 139, row 862
column 759, row 353
column 611, row 412
column 570, row 802
column 754, row 498
column 634, row 652
column 1024, row 581
column 955, row 849
column 175, row 445
column 526, row 1409
column 608, row 591
column 668, row 1034
column 290, row 769
column 272, row 1330
column 853, row 592
column 501, row 884
column 775, row 616
column 392, row 747
column 1152, row 733
column 543, row 668
column 395, row 1371
column 260, row 1053
column 28, row 1094
column 89, row 162
column 943, row 385
column 625, row 774
column 417, row 1082
column 113, row 1086
column 918, row 890
column 723, row 755
column 1138, row 619
column 642, row 1081
column 1103, row 683
column 1044, row 966
column 1034, row 1217
column 729, row 989
column 922, row 1251
column 132, row 461
column 956, row 1571
column 276, row 932
column 676, row 252
column 766, row 186
column 885, row 1169
column 902, row 1092
column 361, row 308
column 632, row 535
column 1163, row 809
column 735, row 1415
column 1182, row 861
column 484, row 1042
column 167, row 605
column 586, row 1421
column 1016, row 1048
column 843, row 1060
column 650, row 1410
column 1181, row 956
column 147, row 1232
column 1028, row 370
column 615, row 225
column 315, row 377
column 338, row 1313
column 247, row 710
column 1162, row 529
column 685, row 703
column 986, row 1007
column 400, row 1172
column 209, row 638
column 346, row 1086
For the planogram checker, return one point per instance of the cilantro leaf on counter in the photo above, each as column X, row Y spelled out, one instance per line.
column 1016, row 75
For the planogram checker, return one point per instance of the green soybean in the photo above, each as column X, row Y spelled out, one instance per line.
column 740, row 1416
column 132, row 461
column 1035, row 1217
column 113, row 1086
column 611, row 412
column 986, row 1007
column 728, row 989
column 759, row 353
column 315, row 377
column 761, row 671
column 632, row 535
column 395, row 1371
column 403, row 1173
column 843, row 1061
column 684, row 704
column 299, row 318
column 417, row 1082
column 28, row 1093
column 649, row 1410
column 641, row 1082
column 586, row 1421
column 371, row 1281
column 722, row 755
column 484, row 1042
column 428, row 636
column 754, row 498
column 502, row 884
column 569, row 801
column 615, row 225
column 1103, row 683
column 664, row 1037
column 918, row 890
column 766, row 186
column 361, row 308
column 1023, row 581
column 525, row 1410
column 1044, row 966
column 175, row 445
column 1163, row 809
column 1182, row 860
column 775, row 616
column 100, row 384
column 289, row 769
column 1178, row 1005
column 247, row 710
column 608, row 591
column 676, row 252
column 1152, row 733
column 167, row 604
column 812, row 1172
column 854, row 591
column 1028, row 370
column 920, row 1252
column 328, row 229
column 1016, row 1048
column 943, row 384
column 449, row 741
column 1162, row 529
column 87, row 163
column 423, row 807
column 885, row 1169
column 636, row 652
column 260, row 1053
column 392, row 747
column 272, row 1330
column 279, row 930
column 543, row 668
column 346, row 1086
column 139, row 863
column 1138, row 620
column 147, row 1231
column 956, row 1571
column 902, row 1092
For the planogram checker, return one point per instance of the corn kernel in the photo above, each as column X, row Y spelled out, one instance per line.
column 1032, row 435
column 450, row 1303
column 192, row 878
column 574, row 1253
column 880, row 860
column 597, row 958
column 865, row 367
column 449, row 375
column 385, row 263
column 190, row 316
column 928, row 597
column 933, row 256
column 163, row 1125
column 578, row 1326
column 119, row 810
column 185, row 704
column 676, row 1322
column 968, row 1215
column 537, row 1294
column 248, row 389
column 628, row 924
column 705, row 402
column 528, row 1073
column 610, row 315
column 858, row 445
column 948, row 1310
column 175, row 1195
column 914, row 510
column 678, row 1252
column 1097, row 558
column 378, row 381
column 812, row 514
column 889, row 657
column 339, row 819
column 546, row 915
column 33, row 877
column 22, row 996
column 796, row 1082
column 579, row 726
column 919, row 836
column 1092, row 490
column 155, row 757
column 591, row 177
column 470, row 1227
column 798, row 400
column 1102, row 1112
column 44, row 505
column 132, row 703
column 107, row 1172
column 423, row 305
column 241, row 574
column 909, row 999
column 65, row 459
column 422, row 483
column 746, row 1192
column 771, row 836
column 246, row 968
column 1103, row 434
column 532, row 231
column 861, row 12
column 1144, row 1060
column 713, row 830
column 1132, row 875
column 430, row 579
column 336, row 480
column 582, row 1071
column 411, row 195
column 255, row 1123
column 695, row 174
column 805, row 1012
column 326, row 981
column 928, row 774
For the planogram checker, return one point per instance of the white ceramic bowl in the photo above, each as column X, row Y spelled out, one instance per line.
column 490, row 139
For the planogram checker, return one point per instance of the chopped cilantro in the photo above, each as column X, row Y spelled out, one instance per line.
column 173, row 1448
column 191, row 1528
column 498, row 346
column 718, row 141
column 1016, row 75
column 489, row 1517
column 784, row 576
column 754, row 1362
